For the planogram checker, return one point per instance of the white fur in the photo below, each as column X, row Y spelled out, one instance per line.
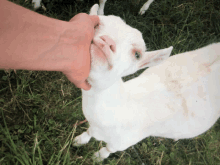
column 178, row 99
column 145, row 7
column 37, row 4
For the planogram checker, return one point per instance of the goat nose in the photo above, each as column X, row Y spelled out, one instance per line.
column 109, row 42
column 106, row 44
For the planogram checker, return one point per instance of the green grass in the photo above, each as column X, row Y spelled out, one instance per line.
column 38, row 110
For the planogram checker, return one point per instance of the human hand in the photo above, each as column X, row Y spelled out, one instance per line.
column 36, row 42
column 82, row 32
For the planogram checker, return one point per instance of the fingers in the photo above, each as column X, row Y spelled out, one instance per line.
column 79, row 17
column 79, row 84
column 94, row 19
column 84, row 16
column 85, row 85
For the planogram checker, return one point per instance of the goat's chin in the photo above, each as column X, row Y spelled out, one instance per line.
column 98, row 58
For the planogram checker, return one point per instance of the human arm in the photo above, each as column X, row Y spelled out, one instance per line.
column 32, row 41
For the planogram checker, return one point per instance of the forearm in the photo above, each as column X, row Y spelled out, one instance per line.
column 26, row 36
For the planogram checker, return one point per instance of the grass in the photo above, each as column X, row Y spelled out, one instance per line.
column 38, row 110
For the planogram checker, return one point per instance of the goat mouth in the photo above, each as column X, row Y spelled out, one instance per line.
column 103, row 47
column 98, row 53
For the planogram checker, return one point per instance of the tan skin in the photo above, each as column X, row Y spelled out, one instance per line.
column 32, row 41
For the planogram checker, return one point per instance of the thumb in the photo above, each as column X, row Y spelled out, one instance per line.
column 94, row 19
column 85, row 85
column 85, row 17
column 78, row 83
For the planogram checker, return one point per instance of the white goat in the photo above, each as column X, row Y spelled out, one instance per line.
column 37, row 4
column 177, row 99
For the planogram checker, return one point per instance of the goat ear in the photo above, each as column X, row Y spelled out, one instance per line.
column 94, row 10
column 155, row 57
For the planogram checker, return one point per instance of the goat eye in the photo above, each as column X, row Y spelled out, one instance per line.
column 137, row 55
